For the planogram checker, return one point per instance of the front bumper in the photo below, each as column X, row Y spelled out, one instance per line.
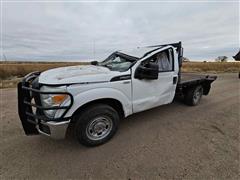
column 30, row 110
column 55, row 130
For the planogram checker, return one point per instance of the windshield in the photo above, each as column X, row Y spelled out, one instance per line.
column 118, row 62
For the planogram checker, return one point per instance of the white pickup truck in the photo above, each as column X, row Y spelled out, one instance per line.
column 94, row 98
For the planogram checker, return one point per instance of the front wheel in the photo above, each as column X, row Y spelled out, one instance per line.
column 96, row 125
column 193, row 96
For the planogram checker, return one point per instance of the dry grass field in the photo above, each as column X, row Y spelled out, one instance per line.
column 211, row 67
column 14, row 69
column 12, row 72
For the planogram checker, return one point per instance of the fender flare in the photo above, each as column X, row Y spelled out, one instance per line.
column 98, row 94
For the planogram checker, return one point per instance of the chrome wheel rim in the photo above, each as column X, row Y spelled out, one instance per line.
column 99, row 128
column 197, row 95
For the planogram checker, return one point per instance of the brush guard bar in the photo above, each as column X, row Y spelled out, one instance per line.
column 31, row 119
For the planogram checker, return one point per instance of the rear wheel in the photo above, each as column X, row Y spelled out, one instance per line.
column 96, row 125
column 193, row 95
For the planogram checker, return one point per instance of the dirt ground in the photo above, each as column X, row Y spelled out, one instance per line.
column 169, row 142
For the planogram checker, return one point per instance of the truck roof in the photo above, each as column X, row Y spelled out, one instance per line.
column 139, row 52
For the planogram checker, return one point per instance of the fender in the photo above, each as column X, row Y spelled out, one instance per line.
column 100, row 93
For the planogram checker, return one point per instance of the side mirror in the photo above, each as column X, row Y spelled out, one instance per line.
column 149, row 71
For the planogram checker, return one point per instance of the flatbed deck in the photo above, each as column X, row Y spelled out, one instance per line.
column 187, row 78
column 190, row 80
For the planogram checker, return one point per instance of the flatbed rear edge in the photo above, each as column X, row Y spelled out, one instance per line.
column 195, row 80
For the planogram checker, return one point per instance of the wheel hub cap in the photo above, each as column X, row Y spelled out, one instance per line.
column 99, row 128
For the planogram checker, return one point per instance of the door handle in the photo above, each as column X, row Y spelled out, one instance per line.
column 126, row 82
column 175, row 78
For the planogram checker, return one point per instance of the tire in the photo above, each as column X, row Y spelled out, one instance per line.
column 96, row 125
column 193, row 96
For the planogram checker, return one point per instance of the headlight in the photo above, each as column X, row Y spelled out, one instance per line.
column 54, row 100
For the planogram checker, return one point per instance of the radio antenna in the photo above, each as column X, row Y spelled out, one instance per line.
column 5, row 58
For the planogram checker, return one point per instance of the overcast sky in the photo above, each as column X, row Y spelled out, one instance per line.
column 83, row 31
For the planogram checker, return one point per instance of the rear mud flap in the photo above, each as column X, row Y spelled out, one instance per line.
column 29, row 128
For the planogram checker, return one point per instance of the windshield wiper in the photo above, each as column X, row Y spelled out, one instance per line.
column 104, row 65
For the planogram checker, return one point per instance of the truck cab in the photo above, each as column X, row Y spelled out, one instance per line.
column 94, row 98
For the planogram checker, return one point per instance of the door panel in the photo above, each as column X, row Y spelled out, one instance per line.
column 152, row 93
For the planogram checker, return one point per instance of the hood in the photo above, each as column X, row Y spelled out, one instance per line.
column 77, row 74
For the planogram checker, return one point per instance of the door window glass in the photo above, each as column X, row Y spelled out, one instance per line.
column 165, row 61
